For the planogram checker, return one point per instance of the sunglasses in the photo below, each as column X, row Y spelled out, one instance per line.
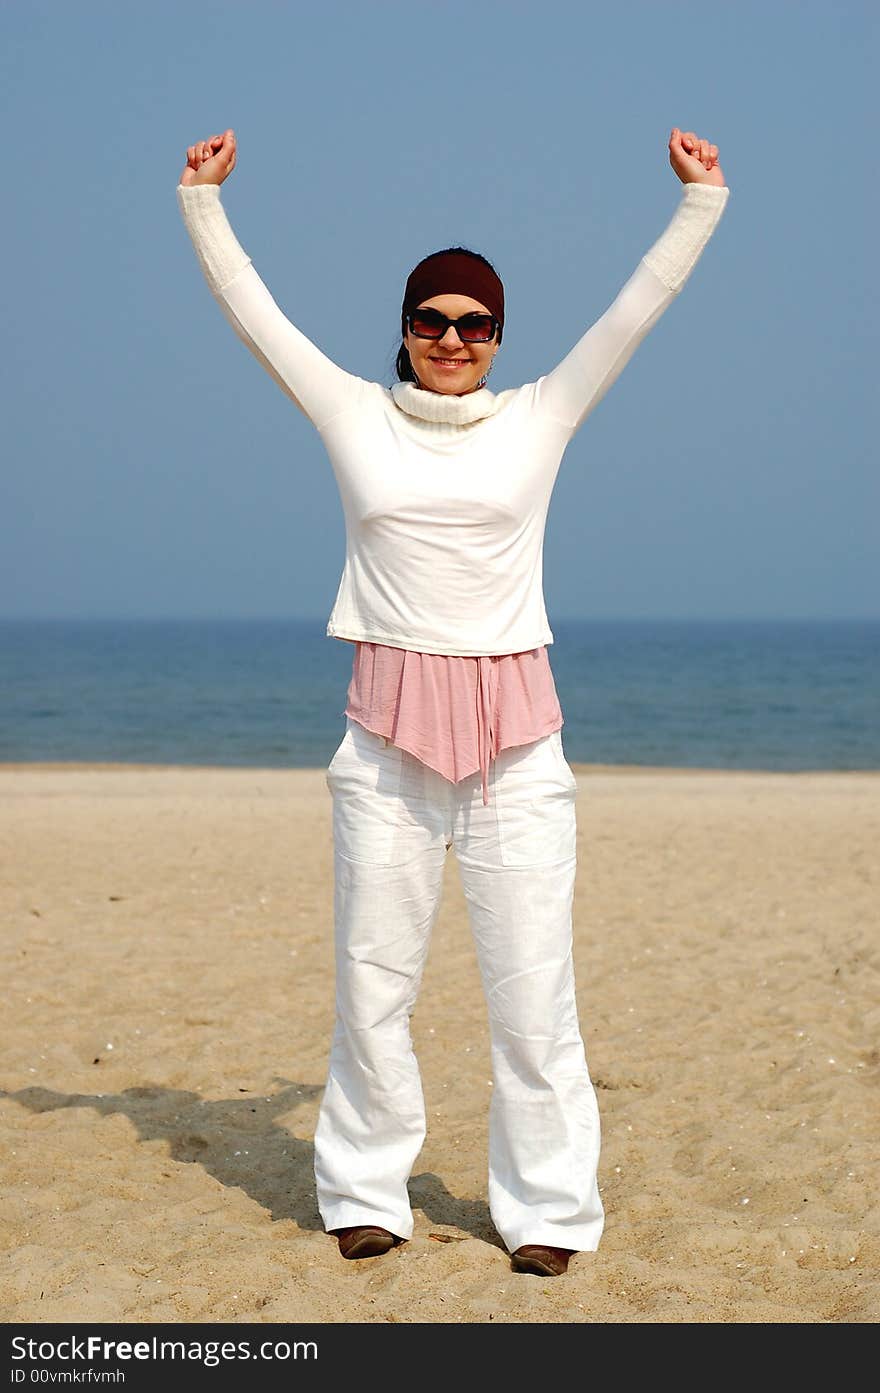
column 475, row 327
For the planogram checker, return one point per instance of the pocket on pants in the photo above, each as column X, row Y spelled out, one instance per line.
column 346, row 745
column 534, row 792
column 364, row 777
column 335, row 760
column 559, row 750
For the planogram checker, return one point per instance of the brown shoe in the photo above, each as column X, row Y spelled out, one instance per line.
column 365, row 1241
column 538, row 1258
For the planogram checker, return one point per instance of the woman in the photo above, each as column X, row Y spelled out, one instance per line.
column 453, row 726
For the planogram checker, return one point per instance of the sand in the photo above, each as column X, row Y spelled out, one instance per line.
column 168, row 1002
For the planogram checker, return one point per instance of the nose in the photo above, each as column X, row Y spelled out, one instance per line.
column 450, row 339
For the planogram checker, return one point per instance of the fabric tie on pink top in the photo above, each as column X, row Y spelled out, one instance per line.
column 485, row 709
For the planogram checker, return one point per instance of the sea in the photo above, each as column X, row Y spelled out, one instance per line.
column 271, row 693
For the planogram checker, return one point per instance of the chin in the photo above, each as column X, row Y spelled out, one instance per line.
column 453, row 389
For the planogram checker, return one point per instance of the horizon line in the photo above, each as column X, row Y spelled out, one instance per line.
column 320, row 621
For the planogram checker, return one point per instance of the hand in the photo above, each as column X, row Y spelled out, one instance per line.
column 695, row 161
column 210, row 161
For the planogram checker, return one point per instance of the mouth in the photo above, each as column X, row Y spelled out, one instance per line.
column 450, row 363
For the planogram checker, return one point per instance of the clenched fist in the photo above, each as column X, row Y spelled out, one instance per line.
column 695, row 161
column 210, row 161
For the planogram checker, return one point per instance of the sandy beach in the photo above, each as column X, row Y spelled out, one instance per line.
column 168, row 1003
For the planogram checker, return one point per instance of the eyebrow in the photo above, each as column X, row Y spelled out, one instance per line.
column 432, row 309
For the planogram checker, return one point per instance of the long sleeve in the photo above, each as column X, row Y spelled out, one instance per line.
column 571, row 391
column 319, row 387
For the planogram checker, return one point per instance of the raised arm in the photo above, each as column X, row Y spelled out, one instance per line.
column 319, row 387
column 577, row 385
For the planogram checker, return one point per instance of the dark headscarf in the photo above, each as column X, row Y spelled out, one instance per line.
column 453, row 273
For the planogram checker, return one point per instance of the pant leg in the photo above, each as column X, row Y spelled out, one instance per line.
column 517, row 860
column 390, row 829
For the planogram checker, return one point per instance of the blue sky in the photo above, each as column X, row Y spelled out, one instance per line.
column 151, row 466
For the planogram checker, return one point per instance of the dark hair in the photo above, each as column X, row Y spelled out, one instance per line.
column 403, row 366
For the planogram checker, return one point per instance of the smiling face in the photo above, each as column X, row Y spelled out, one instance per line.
column 447, row 364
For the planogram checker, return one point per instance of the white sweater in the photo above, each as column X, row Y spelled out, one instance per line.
column 445, row 497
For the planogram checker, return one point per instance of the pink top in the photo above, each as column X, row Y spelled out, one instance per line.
column 454, row 714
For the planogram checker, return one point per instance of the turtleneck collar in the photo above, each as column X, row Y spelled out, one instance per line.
column 444, row 407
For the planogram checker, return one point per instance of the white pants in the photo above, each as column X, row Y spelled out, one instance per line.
column 393, row 822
